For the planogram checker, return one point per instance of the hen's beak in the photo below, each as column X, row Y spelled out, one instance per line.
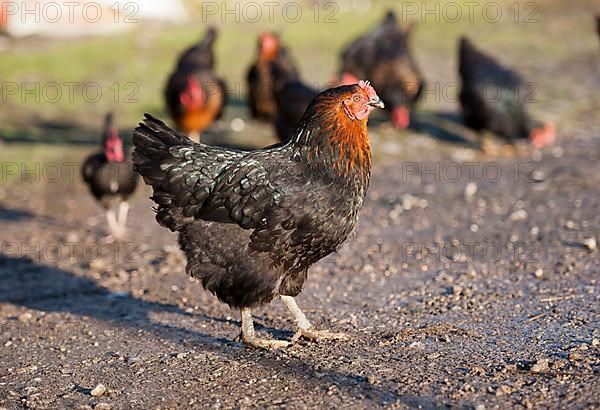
column 376, row 102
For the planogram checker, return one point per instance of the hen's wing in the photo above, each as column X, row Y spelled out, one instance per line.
column 181, row 173
column 291, row 215
column 247, row 190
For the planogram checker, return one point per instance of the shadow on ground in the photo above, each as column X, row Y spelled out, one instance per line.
column 24, row 282
column 446, row 127
column 14, row 215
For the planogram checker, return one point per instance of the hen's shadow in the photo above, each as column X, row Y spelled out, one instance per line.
column 14, row 215
column 446, row 127
column 26, row 282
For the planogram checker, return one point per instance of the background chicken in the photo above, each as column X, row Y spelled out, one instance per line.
column 252, row 223
column 493, row 96
column 195, row 96
column 293, row 96
column 383, row 55
column 111, row 179
column 261, row 77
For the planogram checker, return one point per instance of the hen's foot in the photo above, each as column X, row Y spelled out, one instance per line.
column 113, row 238
column 305, row 329
column 267, row 344
column 249, row 337
column 314, row 335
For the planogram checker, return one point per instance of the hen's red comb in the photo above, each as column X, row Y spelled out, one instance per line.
column 366, row 85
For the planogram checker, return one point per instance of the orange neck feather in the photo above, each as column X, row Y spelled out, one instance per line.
column 337, row 144
column 353, row 146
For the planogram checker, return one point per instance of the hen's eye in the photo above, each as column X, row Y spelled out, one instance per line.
column 357, row 98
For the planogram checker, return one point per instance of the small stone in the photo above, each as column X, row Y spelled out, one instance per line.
column 416, row 345
column 539, row 273
column 470, row 190
column 25, row 317
column 590, row 243
column 132, row 360
column 97, row 265
column 519, row 215
column 395, row 213
column 558, row 151
column 99, row 390
column 540, row 366
column 480, row 407
column 238, row 124
column 102, row 406
column 574, row 356
column 595, row 342
column 368, row 268
column 72, row 237
column 181, row 355
column 29, row 390
column 503, row 390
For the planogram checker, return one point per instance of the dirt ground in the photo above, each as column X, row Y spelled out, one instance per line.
column 471, row 292
column 472, row 282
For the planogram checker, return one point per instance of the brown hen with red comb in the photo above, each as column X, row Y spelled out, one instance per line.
column 195, row 96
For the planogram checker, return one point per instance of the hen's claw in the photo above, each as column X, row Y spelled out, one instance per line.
column 249, row 337
column 317, row 336
column 267, row 344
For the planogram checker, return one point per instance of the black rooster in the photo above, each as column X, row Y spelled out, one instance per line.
column 111, row 179
column 252, row 223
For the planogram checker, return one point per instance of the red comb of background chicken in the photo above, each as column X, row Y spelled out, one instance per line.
column 401, row 117
column 193, row 96
column 269, row 45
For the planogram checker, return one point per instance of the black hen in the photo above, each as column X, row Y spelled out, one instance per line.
column 293, row 98
column 359, row 55
column 383, row 56
column 252, row 223
column 194, row 95
column 493, row 96
column 111, row 179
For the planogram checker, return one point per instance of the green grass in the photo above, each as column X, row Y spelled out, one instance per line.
column 28, row 162
column 138, row 62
